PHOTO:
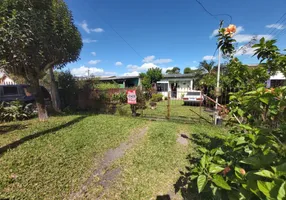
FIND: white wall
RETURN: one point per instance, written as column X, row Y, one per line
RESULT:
column 7, row 81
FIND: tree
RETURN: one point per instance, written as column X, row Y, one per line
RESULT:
column 34, row 37
column 154, row 74
column 188, row 70
column 207, row 67
column 175, row 70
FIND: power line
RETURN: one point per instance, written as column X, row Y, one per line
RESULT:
column 272, row 30
column 95, row 11
column 212, row 15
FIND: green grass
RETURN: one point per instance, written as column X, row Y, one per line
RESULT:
column 52, row 165
column 153, row 167
column 53, row 159
column 178, row 111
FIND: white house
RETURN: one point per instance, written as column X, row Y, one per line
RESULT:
column 177, row 84
column 5, row 79
column 276, row 80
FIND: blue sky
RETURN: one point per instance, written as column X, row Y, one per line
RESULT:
column 165, row 33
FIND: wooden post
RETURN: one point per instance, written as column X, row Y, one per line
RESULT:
column 168, row 105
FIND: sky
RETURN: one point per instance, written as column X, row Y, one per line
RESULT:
column 127, row 37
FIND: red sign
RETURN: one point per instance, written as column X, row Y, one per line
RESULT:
column 131, row 97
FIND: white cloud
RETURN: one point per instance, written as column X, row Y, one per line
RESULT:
column 162, row 61
column 83, row 71
column 209, row 58
column 240, row 38
column 151, row 59
column 94, row 62
column 118, row 63
column 238, row 30
column 148, row 59
column 88, row 41
column 97, row 30
column 143, row 67
column 84, row 26
column 276, row 26
column 93, row 53
column 135, row 73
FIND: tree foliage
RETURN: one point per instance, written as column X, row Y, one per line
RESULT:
column 175, row 70
column 35, row 36
column 188, row 70
column 251, row 162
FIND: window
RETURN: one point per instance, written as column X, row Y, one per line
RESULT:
column 10, row 90
column 162, row 87
column 194, row 93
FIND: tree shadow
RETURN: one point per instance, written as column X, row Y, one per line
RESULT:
column 8, row 128
column 17, row 143
column 163, row 197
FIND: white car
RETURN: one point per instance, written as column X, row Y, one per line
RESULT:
column 193, row 97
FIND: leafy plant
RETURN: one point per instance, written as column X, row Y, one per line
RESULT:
column 16, row 110
column 157, row 97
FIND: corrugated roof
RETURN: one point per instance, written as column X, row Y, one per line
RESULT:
column 178, row 75
column 117, row 78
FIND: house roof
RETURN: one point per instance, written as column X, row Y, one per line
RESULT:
column 117, row 78
column 178, row 76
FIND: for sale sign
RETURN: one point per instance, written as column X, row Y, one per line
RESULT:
column 131, row 97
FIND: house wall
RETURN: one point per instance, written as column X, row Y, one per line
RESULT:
column 7, row 81
column 183, row 86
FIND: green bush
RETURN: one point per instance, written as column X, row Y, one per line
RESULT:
column 157, row 97
column 122, row 110
column 251, row 164
column 120, row 97
column 106, row 86
column 16, row 110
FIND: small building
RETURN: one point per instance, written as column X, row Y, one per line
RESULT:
column 177, row 84
column 5, row 79
column 123, row 81
column 276, row 80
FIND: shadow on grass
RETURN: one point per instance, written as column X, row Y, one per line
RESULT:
column 17, row 143
column 8, row 128
column 163, row 197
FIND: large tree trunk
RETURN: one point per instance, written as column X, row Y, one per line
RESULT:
column 40, row 102
column 55, row 92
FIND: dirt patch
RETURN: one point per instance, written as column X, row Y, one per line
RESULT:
column 183, row 139
column 106, row 177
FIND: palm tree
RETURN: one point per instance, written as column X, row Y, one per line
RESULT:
column 207, row 67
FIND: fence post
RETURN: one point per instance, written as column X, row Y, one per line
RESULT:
column 168, row 105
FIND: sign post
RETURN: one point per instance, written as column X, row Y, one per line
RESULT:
column 131, row 97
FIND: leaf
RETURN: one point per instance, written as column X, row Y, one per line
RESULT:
column 264, row 100
column 220, row 182
column 219, row 151
column 201, row 183
column 281, row 191
column 265, row 187
column 265, row 173
column 214, row 169
column 203, row 161
column 281, row 170
column 240, row 140
column 202, row 149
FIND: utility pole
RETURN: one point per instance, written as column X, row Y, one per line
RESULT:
column 218, row 69
column 88, row 70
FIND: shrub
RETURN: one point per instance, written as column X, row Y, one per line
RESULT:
column 106, row 86
column 16, row 111
column 141, row 102
column 120, row 97
column 251, row 164
column 157, row 97
column 122, row 110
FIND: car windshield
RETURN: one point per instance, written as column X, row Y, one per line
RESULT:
column 194, row 93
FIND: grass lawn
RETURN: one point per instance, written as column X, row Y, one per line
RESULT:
column 52, row 160
column 178, row 111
